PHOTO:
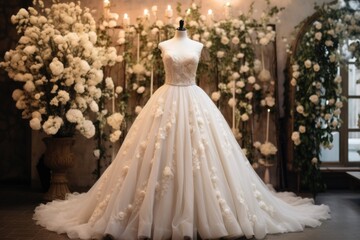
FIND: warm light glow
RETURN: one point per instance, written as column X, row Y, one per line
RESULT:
column 107, row 3
column 210, row 12
column 188, row 11
column 268, row 109
column 169, row 7
column 126, row 16
column 146, row 12
column 228, row 4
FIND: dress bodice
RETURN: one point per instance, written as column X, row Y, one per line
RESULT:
column 180, row 66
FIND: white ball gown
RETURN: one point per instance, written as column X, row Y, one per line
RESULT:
column 179, row 173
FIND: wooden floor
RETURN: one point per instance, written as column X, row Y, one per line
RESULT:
column 17, row 205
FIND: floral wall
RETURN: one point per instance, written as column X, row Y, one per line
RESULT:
column 295, row 11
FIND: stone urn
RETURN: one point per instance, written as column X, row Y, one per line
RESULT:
column 59, row 157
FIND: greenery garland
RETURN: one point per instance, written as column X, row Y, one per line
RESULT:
column 317, row 85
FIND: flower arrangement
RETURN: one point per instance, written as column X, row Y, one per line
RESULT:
column 60, row 62
column 317, row 86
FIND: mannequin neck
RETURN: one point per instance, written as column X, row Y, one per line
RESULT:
column 180, row 34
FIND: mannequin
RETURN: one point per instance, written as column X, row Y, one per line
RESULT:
column 180, row 41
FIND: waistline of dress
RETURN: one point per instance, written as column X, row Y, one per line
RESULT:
column 181, row 85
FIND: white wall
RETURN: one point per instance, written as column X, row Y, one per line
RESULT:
column 295, row 11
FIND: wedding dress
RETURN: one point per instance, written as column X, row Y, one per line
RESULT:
column 179, row 173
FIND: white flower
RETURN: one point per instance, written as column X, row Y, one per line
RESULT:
column 232, row 102
column 270, row 101
column 302, row 129
column 220, row 54
column 35, row 124
column 264, row 41
column 96, row 153
column 329, row 43
column 249, row 95
column 267, row 149
column 314, row 99
column 257, row 144
column 339, row 104
column 316, row 67
column 314, row 160
column 240, row 55
column 138, row 109
column 244, row 68
column 52, row 125
column 307, row 63
column 114, row 136
column 300, row 109
column 295, row 137
column 208, row 44
column 235, row 40
column 63, row 96
column 295, row 67
column 318, row 36
column 251, row 79
column 138, row 68
column 29, row 86
column 215, row 96
column 74, row 115
column 293, row 82
column 94, row 107
column 244, row 117
column 318, row 25
column 17, row 93
column 335, row 123
column 140, row 90
column 86, row 128
column 224, row 40
column 118, row 89
column 56, row 67
column 79, row 88
column 115, row 120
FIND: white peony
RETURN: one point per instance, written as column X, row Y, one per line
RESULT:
column 140, row 90
column 109, row 83
column 300, row 109
column 118, row 89
column 86, row 128
column 308, row 63
column 114, row 136
column 244, row 117
column 74, row 116
column 220, row 54
column 17, row 93
column 302, row 129
column 115, row 120
column 267, row 149
column 52, row 125
column 316, row 67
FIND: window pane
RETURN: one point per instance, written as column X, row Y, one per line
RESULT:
column 354, row 75
column 354, row 146
column 333, row 154
column 354, row 111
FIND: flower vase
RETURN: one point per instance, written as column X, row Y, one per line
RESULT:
column 59, row 157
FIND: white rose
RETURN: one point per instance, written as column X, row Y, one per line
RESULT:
column 29, row 86
column 307, row 63
column 118, row 89
column 74, row 116
column 244, row 117
column 300, row 109
column 140, row 90
column 224, row 40
column 314, row 99
column 17, row 93
column 115, row 136
column 295, row 136
column 232, row 102
column 316, row 67
column 318, row 36
column 293, row 82
column 257, row 144
column 302, row 129
column 94, row 106
column 251, row 79
column 215, row 96
column 220, row 54
column 115, row 120
column 235, row 40
column 314, row 160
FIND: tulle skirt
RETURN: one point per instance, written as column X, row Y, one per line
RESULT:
column 179, row 173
